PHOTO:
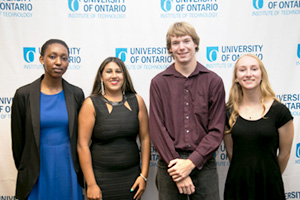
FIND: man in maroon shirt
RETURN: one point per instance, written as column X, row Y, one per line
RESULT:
column 187, row 120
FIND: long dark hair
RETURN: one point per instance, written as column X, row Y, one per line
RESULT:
column 127, row 86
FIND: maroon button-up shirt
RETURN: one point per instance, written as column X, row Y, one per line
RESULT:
column 187, row 114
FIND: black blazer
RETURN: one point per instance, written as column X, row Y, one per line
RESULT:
column 25, row 131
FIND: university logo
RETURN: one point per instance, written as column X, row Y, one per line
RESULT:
column 73, row 5
column 298, row 51
column 258, row 4
column 28, row 54
column 298, row 150
column 121, row 53
column 211, row 53
column 166, row 5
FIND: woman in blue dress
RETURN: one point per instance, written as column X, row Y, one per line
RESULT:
column 44, row 131
column 259, row 135
column 110, row 121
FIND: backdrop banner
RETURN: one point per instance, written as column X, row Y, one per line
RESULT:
column 135, row 31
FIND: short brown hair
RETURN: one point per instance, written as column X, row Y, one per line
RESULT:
column 181, row 29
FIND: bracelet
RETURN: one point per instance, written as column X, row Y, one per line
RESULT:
column 145, row 179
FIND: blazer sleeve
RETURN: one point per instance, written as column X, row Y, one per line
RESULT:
column 80, row 97
column 18, row 126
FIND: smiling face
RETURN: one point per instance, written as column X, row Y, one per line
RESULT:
column 55, row 60
column 183, row 49
column 248, row 73
column 113, row 78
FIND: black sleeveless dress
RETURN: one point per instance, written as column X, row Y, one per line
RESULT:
column 115, row 154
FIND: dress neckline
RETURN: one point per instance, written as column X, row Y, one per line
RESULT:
column 114, row 103
column 52, row 94
column 264, row 117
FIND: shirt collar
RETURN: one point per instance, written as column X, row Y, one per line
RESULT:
column 171, row 71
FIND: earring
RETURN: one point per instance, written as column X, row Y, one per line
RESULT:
column 102, row 88
column 236, row 81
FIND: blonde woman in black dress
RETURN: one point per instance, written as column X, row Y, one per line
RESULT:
column 111, row 119
column 258, row 125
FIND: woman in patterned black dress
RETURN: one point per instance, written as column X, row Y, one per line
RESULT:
column 257, row 126
column 109, row 122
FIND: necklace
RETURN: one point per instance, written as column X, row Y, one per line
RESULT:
column 251, row 112
column 115, row 103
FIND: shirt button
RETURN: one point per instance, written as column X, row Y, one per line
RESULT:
column 186, row 90
column 187, row 117
column 187, row 131
column 186, row 103
column 189, row 145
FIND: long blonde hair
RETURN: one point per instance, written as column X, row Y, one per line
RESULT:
column 236, row 92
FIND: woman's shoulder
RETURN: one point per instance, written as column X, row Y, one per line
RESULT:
column 72, row 87
column 280, row 109
column 278, row 105
column 137, row 100
column 281, row 113
column 138, row 97
column 25, row 89
column 133, row 96
column 94, row 98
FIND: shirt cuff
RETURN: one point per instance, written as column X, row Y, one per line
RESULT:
column 197, row 159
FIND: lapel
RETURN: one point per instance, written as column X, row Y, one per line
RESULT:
column 70, row 103
column 34, row 99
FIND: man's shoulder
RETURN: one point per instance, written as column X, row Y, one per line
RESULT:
column 214, row 75
column 162, row 75
column 158, row 76
column 207, row 72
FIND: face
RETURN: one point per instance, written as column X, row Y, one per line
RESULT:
column 183, row 49
column 248, row 73
column 55, row 60
column 112, row 77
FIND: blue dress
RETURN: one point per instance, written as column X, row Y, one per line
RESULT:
column 57, row 178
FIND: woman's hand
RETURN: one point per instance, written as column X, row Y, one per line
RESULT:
column 94, row 192
column 141, row 184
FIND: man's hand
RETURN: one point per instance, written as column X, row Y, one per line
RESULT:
column 180, row 168
column 186, row 186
